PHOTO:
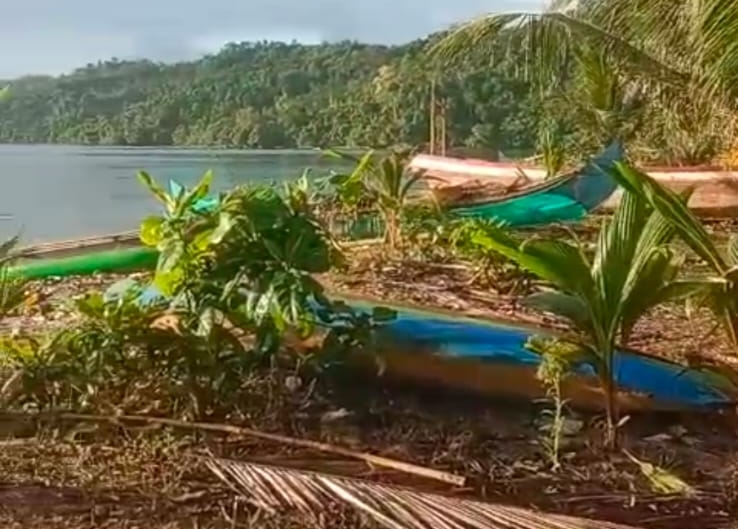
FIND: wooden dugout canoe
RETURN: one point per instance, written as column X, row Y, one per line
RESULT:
column 443, row 349
column 715, row 195
column 75, row 247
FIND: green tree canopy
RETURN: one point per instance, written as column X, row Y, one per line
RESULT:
column 270, row 95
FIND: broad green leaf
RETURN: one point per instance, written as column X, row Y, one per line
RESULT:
column 559, row 262
column 701, row 292
column 552, row 260
column 206, row 322
column 564, row 305
column 170, row 256
column 732, row 250
column 648, row 287
column 225, row 223
column 202, row 241
column 200, row 191
column 614, row 250
column 656, row 232
column 673, row 208
column 202, row 188
column 275, row 251
column 168, row 281
column 156, row 190
column 151, row 231
column 694, row 289
column 91, row 304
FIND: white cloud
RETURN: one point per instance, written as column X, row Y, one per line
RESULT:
column 53, row 36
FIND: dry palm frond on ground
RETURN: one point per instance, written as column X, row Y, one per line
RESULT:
column 274, row 488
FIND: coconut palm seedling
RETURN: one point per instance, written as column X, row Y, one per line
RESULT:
column 632, row 270
column 12, row 286
column 718, row 291
column 382, row 182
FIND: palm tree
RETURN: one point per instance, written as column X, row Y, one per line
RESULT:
column 671, row 40
column 684, row 52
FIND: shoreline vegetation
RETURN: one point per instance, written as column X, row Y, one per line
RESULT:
column 272, row 95
column 266, row 95
column 76, row 365
column 240, row 393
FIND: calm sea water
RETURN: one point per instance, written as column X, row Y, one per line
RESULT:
column 64, row 192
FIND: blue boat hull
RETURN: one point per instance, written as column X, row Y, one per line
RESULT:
column 490, row 357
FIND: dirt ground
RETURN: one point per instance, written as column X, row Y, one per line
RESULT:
column 68, row 475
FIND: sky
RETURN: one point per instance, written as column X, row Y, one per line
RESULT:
column 56, row 36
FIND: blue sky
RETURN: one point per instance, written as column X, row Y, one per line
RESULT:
column 55, row 36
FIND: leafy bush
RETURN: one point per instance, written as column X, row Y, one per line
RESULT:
column 233, row 276
column 244, row 264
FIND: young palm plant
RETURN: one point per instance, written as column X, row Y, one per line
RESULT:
column 718, row 292
column 552, row 148
column 12, row 286
column 384, row 183
column 631, row 271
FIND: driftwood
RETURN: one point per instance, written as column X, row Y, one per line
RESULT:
column 370, row 459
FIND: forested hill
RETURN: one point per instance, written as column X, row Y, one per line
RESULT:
column 269, row 95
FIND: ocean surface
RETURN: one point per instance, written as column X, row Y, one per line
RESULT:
column 52, row 192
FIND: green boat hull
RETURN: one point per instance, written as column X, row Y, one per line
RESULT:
column 102, row 262
column 568, row 198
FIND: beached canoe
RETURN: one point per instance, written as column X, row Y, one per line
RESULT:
column 566, row 198
column 442, row 350
column 89, row 262
column 115, row 253
column 74, row 247
column 522, row 202
column 715, row 195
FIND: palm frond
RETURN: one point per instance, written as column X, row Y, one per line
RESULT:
column 548, row 40
column 699, row 38
column 277, row 489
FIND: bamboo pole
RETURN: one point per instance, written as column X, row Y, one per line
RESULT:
column 432, row 110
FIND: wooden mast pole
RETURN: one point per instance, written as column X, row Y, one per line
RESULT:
column 443, row 127
column 432, row 120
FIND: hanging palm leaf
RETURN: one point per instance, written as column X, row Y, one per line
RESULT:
column 276, row 489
